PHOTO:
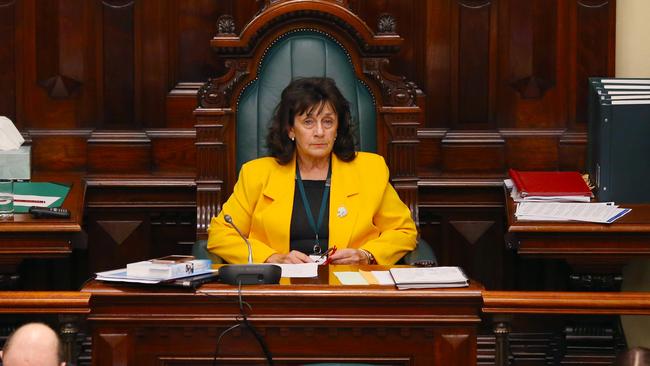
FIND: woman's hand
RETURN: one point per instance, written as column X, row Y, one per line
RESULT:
column 294, row 257
column 349, row 256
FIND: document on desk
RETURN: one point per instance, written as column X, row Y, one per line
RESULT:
column 600, row 212
column 351, row 278
column 434, row 277
column 302, row 270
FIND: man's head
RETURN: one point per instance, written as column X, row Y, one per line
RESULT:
column 32, row 344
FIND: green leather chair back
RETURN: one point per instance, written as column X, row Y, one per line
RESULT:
column 294, row 55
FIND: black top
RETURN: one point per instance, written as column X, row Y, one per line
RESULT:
column 302, row 237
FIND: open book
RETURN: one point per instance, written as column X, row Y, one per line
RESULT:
column 433, row 277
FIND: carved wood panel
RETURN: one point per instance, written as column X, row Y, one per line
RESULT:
column 9, row 51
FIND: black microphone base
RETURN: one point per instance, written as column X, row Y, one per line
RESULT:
column 250, row 274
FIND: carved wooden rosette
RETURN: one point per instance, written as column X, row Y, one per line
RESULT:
column 396, row 99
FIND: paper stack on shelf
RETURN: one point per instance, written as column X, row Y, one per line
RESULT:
column 605, row 213
column 165, row 271
column 548, row 186
column 193, row 280
column 433, row 277
column 158, row 270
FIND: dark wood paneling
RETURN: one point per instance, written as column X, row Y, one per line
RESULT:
column 473, row 30
column 436, row 79
column 59, row 150
column 151, row 57
column 180, row 107
column 193, row 25
column 409, row 23
column 59, row 47
column 117, row 47
column 532, row 80
column 593, row 22
column 173, row 151
column 8, row 29
column 482, row 65
column 119, row 152
column 143, row 220
column 464, row 224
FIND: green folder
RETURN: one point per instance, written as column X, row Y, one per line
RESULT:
column 41, row 189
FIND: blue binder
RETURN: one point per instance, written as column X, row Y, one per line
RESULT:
column 619, row 140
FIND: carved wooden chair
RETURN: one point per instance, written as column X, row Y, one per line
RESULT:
column 289, row 39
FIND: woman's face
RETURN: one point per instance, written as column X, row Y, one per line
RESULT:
column 315, row 132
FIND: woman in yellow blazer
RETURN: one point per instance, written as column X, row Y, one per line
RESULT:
column 314, row 192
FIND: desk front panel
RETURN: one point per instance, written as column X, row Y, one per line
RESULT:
column 301, row 323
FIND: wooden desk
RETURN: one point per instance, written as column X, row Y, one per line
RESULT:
column 26, row 237
column 308, row 320
column 587, row 247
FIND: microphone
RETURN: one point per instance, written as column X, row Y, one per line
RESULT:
column 228, row 219
column 248, row 274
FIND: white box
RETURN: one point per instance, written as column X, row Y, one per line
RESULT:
column 16, row 164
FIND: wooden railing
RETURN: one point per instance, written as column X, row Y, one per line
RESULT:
column 497, row 304
column 70, row 306
column 501, row 303
column 44, row 302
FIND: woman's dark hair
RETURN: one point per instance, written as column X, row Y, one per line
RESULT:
column 303, row 95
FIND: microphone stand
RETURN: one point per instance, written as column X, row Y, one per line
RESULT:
column 248, row 274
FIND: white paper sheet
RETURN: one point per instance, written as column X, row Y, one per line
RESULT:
column 302, row 270
column 383, row 277
column 351, row 278
column 30, row 200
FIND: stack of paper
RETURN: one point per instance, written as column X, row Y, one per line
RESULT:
column 605, row 213
column 158, row 270
column 164, row 271
column 119, row 275
column 545, row 186
column 433, row 277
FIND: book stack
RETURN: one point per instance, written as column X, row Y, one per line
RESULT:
column 433, row 277
column 164, row 271
column 618, row 144
column 553, row 186
column 159, row 270
column 558, row 196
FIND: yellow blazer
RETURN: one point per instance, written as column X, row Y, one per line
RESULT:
column 365, row 211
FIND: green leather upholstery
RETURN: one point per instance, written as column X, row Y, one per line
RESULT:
column 200, row 251
column 300, row 54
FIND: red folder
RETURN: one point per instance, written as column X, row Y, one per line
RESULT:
column 549, row 183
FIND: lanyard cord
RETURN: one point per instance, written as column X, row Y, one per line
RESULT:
column 321, row 213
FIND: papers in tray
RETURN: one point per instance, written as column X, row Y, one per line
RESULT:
column 517, row 197
column 433, row 277
column 600, row 212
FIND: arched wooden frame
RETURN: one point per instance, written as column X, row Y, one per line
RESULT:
column 398, row 102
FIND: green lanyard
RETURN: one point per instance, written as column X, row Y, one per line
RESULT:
column 305, row 203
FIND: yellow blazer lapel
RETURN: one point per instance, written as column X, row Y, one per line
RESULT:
column 344, row 202
column 277, row 216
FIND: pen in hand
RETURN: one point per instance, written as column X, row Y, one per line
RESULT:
column 328, row 254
